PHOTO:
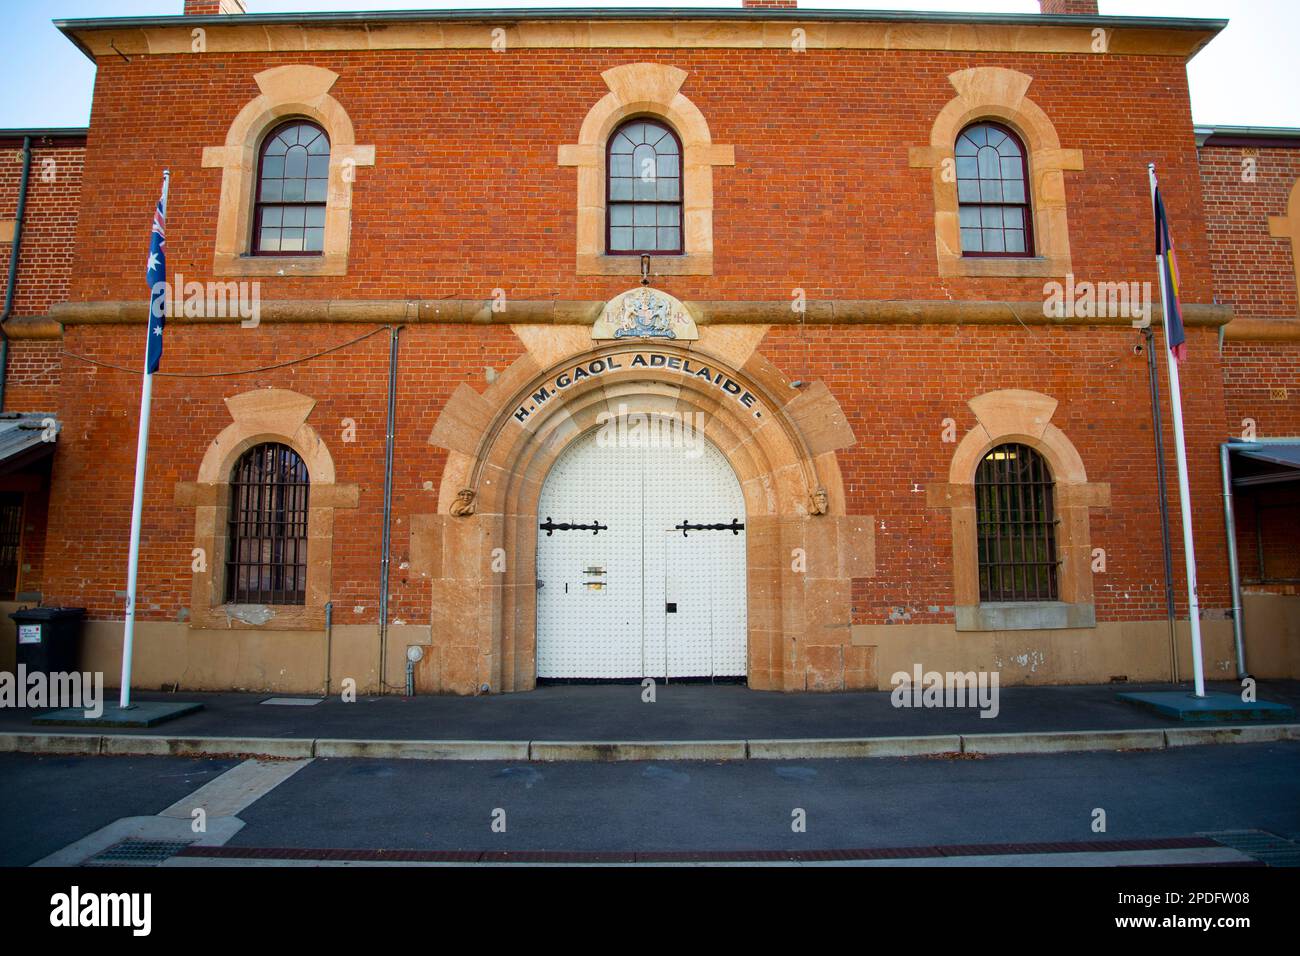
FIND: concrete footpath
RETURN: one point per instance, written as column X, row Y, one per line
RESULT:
column 685, row 722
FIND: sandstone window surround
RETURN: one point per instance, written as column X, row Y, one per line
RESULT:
column 1024, row 417
column 287, row 92
column 1288, row 227
column 652, row 90
column 265, row 415
column 998, row 95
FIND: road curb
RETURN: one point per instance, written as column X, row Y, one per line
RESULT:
column 85, row 744
column 608, row 751
column 849, row 747
column 1063, row 741
column 424, row 749
column 140, row 745
column 1245, row 734
column 121, row 745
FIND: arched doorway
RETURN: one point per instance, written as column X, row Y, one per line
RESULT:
column 641, row 555
column 779, row 439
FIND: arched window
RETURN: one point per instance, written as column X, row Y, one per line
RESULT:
column 993, row 192
column 292, row 186
column 266, row 560
column 1016, row 526
column 644, row 197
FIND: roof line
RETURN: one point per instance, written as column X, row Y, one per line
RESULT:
column 46, row 132
column 71, row 27
column 641, row 13
column 1288, row 136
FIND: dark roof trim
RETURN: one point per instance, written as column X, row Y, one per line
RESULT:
column 644, row 13
column 10, row 137
column 1284, row 137
column 516, row 14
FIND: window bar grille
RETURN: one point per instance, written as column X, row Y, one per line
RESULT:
column 1016, row 525
column 267, row 562
column 11, row 536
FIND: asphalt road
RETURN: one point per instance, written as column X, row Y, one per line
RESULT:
column 48, row 802
column 680, row 712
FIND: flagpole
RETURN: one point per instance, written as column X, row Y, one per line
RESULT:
column 1180, row 447
column 137, row 501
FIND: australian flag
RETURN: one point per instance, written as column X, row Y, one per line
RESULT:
column 157, row 278
column 1174, row 333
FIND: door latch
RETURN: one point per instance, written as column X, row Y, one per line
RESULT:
column 550, row 527
column 735, row 527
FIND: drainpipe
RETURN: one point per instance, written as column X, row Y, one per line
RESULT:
column 1234, row 570
column 1157, row 428
column 11, row 283
column 329, row 644
column 388, row 505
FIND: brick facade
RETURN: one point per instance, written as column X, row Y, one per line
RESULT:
column 466, row 197
column 1248, row 179
column 1068, row 7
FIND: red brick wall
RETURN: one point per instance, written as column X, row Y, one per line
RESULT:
column 34, row 486
column 97, row 450
column 202, row 8
column 44, row 263
column 897, row 385
column 32, row 375
column 1253, row 272
column 1261, row 381
column 1268, row 521
column 466, row 195
column 1076, row 7
column 50, row 230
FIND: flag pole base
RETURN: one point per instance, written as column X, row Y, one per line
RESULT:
column 1213, row 706
column 147, row 713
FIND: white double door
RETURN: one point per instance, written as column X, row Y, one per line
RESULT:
column 641, row 561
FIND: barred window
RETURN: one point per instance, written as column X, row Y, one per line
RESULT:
column 1016, row 526
column 644, row 201
column 993, row 192
column 266, row 562
column 292, row 189
column 11, row 538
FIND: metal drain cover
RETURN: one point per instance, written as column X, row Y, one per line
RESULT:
column 293, row 701
column 137, row 853
column 1266, row 847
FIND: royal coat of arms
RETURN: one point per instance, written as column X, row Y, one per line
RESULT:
column 645, row 314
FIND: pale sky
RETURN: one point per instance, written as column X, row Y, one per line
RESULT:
column 1248, row 76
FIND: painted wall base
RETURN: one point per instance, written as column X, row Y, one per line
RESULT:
column 1272, row 623
column 291, row 662
column 170, row 654
column 1131, row 650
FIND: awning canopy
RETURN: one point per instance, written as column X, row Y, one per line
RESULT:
column 1266, row 463
column 26, row 439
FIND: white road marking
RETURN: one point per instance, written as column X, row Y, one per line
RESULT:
column 221, row 799
column 236, row 789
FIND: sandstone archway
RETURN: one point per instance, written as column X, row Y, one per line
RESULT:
column 479, row 550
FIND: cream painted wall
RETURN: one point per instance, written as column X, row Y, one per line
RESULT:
column 249, row 660
column 1272, row 625
column 1137, row 651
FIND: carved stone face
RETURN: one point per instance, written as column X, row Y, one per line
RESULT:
column 465, row 496
column 821, row 501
